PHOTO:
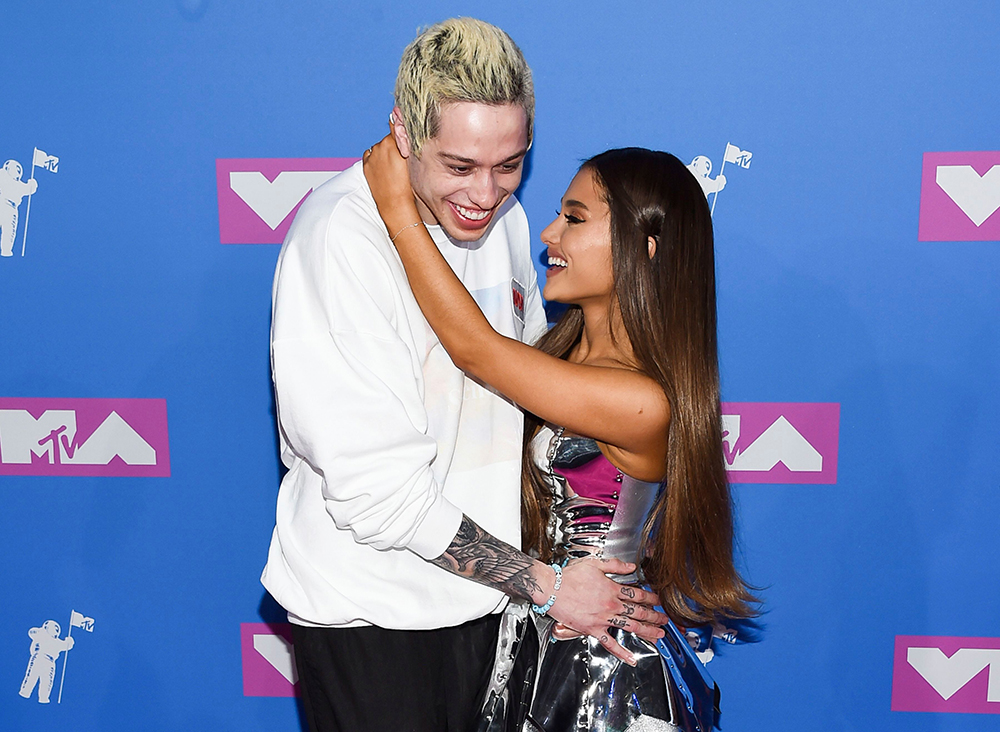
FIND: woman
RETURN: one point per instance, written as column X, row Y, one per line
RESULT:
column 623, row 398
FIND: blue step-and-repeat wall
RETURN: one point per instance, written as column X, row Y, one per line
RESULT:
column 153, row 156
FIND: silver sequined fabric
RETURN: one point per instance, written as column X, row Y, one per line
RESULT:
column 643, row 723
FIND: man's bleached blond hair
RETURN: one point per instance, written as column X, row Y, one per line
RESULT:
column 460, row 60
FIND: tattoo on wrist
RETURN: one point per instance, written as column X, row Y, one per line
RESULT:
column 485, row 559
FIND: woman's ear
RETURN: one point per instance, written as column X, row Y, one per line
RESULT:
column 651, row 244
column 399, row 132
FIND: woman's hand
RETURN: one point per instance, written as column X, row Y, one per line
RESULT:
column 389, row 180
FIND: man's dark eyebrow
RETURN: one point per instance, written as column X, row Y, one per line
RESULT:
column 515, row 156
column 470, row 161
column 457, row 158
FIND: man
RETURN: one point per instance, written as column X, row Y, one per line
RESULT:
column 403, row 480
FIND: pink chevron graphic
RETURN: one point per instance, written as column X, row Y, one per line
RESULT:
column 84, row 437
column 960, row 196
column 268, row 659
column 258, row 197
column 946, row 674
column 781, row 442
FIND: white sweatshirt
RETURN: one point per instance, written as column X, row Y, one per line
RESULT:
column 386, row 442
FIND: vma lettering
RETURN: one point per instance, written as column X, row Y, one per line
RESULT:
column 89, row 437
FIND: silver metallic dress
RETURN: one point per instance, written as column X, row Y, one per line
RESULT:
column 580, row 686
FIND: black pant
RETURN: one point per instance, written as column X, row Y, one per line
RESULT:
column 371, row 679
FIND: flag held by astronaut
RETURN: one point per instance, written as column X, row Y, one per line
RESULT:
column 738, row 157
column 78, row 620
column 43, row 160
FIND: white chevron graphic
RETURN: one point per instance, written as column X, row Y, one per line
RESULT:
column 273, row 201
column 978, row 196
column 779, row 443
column 948, row 675
column 114, row 438
column 279, row 653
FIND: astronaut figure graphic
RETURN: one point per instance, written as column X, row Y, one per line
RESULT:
column 46, row 645
column 700, row 167
column 12, row 191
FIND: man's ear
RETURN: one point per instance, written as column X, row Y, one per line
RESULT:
column 399, row 133
column 651, row 244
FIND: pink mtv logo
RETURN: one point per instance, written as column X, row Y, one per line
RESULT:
column 258, row 197
column 268, row 659
column 103, row 437
column 941, row 674
column 767, row 442
column 960, row 197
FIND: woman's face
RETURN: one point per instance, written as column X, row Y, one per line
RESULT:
column 579, row 246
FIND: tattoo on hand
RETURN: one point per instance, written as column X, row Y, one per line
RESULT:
column 485, row 559
column 618, row 621
column 629, row 609
column 628, row 592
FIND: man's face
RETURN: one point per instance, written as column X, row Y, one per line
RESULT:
column 470, row 167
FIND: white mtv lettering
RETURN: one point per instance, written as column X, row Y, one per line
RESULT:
column 21, row 434
column 279, row 653
column 948, row 675
column 54, row 434
column 779, row 443
column 274, row 201
column 978, row 197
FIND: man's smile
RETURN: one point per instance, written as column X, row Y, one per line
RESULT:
column 472, row 214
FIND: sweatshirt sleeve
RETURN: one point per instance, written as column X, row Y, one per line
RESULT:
column 349, row 391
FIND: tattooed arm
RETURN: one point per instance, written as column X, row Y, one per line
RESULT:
column 479, row 556
column 588, row 601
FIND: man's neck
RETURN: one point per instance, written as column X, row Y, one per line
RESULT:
column 425, row 213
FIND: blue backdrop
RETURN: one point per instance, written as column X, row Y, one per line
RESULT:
column 829, row 294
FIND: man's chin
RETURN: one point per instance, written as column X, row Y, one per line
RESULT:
column 464, row 233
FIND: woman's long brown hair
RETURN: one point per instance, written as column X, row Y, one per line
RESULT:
column 668, row 310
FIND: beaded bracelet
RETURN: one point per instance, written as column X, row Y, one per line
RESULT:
column 542, row 609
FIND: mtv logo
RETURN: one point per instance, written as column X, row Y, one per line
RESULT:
column 84, row 437
column 258, row 197
column 960, row 197
column 944, row 674
column 774, row 442
column 268, row 659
